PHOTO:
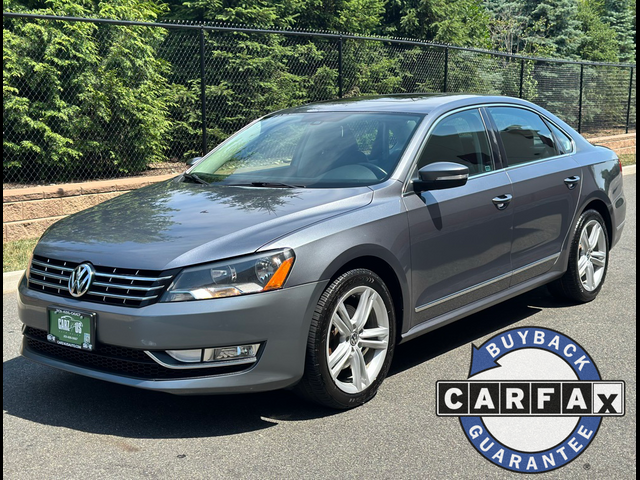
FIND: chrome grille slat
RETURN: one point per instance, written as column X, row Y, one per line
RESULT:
column 57, row 286
column 120, row 297
column 126, row 287
column 131, row 277
column 49, row 274
column 111, row 285
column 49, row 265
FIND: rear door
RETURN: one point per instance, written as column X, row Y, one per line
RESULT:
column 546, row 187
column 460, row 237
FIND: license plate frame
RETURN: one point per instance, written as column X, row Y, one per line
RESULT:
column 71, row 328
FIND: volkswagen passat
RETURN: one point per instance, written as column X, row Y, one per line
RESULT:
column 304, row 248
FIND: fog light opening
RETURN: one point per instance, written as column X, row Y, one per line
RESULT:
column 230, row 354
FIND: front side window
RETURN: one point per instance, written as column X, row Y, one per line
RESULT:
column 525, row 136
column 459, row 138
column 315, row 150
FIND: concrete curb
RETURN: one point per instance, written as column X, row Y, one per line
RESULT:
column 10, row 279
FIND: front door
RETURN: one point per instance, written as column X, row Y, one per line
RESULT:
column 460, row 237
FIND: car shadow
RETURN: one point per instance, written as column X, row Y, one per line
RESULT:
column 51, row 397
column 471, row 328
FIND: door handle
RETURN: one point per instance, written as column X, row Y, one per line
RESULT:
column 501, row 202
column 572, row 182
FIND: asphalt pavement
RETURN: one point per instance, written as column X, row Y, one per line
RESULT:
column 59, row 425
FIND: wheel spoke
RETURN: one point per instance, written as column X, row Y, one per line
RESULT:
column 359, row 370
column 339, row 358
column 583, row 263
column 373, row 344
column 363, row 311
column 343, row 327
column 345, row 317
column 378, row 332
column 584, row 240
column 599, row 259
column 595, row 236
column 591, row 284
column 375, row 338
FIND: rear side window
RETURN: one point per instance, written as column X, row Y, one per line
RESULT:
column 564, row 142
column 459, row 138
column 525, row 136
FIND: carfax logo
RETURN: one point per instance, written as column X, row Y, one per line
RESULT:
column 533, row 401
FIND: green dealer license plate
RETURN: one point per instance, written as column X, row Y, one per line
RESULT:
column 71, row 328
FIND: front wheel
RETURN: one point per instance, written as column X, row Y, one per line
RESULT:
column 351, row 341
column 588, row 260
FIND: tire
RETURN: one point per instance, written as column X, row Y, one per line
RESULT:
column 348, row 353
column 588, row 260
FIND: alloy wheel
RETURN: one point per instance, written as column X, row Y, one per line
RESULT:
column 592, row 255
column 358, row 339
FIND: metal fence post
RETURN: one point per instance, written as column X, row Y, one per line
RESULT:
column 340, row 66
column 521, row 78
column 446, row 70
column 626, row 129
column 580, row 98
column 203, row 96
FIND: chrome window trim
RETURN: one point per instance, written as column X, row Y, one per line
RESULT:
column 473, row 288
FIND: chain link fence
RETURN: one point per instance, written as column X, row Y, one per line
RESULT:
column 93, row 98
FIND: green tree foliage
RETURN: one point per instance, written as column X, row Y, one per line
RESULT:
column 113, row 100
column 621, row 15
column 553, row 25
column 77, row 94
column 458, row 22
column 599, row 42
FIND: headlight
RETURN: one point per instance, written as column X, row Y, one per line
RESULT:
column 252, row 274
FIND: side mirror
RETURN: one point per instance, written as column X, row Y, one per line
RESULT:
column 441, row 175
column 193, row 161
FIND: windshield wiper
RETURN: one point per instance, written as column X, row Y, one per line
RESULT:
column 275, row 185
column 195, row 178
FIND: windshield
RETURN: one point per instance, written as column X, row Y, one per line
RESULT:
column 315, row 150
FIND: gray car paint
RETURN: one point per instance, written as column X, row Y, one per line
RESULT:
column 177, row 224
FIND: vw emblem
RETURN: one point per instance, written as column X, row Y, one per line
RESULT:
column 81, row 279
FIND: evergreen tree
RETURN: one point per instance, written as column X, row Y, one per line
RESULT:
column 82, row 96
column 621, row 15
column 599, row 43
column 553, row 27
column 459, row 22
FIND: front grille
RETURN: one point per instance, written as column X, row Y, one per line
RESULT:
column 128, row 362
column 114, row 286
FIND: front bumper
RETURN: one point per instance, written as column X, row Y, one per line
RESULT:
column 279, row 320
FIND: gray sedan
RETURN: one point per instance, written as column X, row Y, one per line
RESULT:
column 303, row 249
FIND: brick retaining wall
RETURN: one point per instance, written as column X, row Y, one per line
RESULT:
column 27, row 212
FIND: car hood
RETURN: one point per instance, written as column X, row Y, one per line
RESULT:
column 174, row 224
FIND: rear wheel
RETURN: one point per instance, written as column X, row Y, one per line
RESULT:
column 351, row 341
column 588, row 260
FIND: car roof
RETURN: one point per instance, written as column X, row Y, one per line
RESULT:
column 420, row 103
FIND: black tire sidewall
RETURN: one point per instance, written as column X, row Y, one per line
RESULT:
column 346, row 282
